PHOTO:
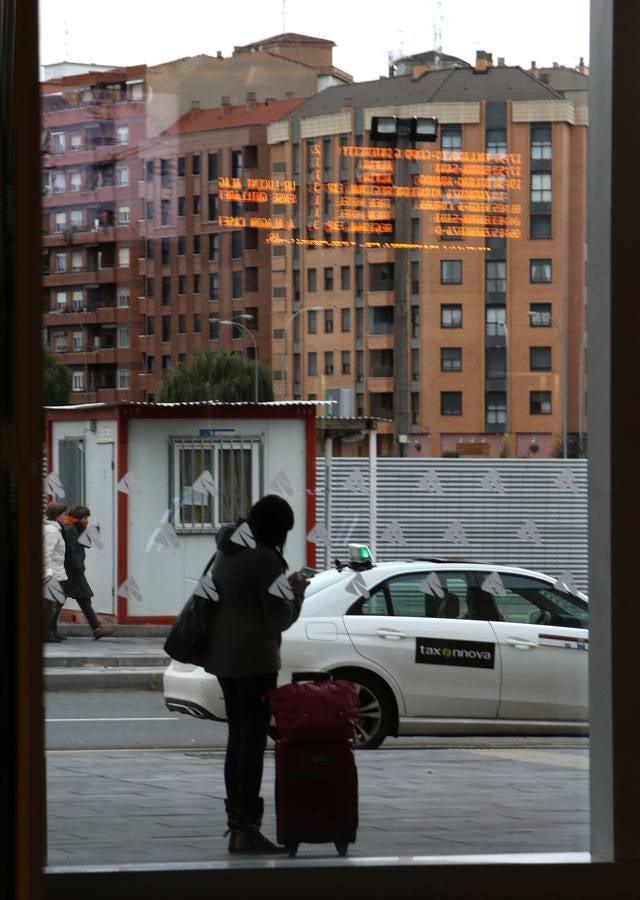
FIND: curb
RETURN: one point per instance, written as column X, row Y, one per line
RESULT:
column 113, row 678
column 106, row 662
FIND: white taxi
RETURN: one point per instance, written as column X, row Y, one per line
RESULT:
column 434, row 647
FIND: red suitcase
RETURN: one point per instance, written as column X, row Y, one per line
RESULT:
column 316, row 795
column 316, row 787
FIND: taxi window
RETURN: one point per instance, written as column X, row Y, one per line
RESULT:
column 407, row 595
column 529, row 601
column 375, row 605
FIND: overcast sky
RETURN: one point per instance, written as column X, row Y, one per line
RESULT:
column 128, row 32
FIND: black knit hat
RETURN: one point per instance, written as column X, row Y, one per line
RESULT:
column 270, row 519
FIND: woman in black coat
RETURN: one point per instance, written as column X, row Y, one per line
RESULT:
column 76, row 585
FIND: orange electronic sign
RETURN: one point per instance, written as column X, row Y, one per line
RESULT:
column 463, row 195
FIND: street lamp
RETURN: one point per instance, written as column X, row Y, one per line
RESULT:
column 539, row 318
column 237, row 324
column 284, row 342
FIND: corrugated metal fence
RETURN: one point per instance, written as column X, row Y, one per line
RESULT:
column 524, row 512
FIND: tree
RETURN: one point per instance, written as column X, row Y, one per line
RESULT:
column 215, row 376
column 57, row 382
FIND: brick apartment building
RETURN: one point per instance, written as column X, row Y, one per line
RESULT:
column 99, row 126
column 487, row 331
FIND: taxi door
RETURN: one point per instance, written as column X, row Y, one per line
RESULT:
column 445, row 666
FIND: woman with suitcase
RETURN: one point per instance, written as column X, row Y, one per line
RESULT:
column 257, row 603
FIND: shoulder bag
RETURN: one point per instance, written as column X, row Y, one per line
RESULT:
column 187, row 641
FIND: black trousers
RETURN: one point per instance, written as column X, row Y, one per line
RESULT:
column 248, row 715
column 88, row 611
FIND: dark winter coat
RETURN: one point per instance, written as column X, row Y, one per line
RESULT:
column 249, row 619
column 76, row 585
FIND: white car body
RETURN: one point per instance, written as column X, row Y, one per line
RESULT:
column 433, row 673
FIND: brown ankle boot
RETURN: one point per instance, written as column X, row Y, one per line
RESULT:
column 246, row 836
column 103, row 631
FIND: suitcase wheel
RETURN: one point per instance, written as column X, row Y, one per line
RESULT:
column 292, row 849
column 342, row 847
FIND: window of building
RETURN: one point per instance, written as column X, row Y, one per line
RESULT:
column 166, row 362
column 150, row 325
column 214, row 330
column 123, row 296
column 76, row 218
column 137, row 91
column 345, row 278
column 496, row 141
column 166, row 290
column 346, row 362
column 195, row 164
column 77, row 341
column 236, row 244
column 149, row 287
column 75, row 180
column 328, row 362
column 381, row 320
column 196, row 245
column 312, row 322
column 495, row 319
column 151, row 365
column 165, row 212
column 450, row 403
column 328, row 278
column 450, row 271
column 541, row 142
column 149, row 209
column 181, row 206
column 182, row 323
column 165, row 250
column 61, row 262
column 251, row 279
column 236, row 285
column 166, row 329
column 540, row 226
column 181, row 166
column 381, row 276
column 495, row 277
column 312, row 280
column 541, row 187
column 540, row 315
column 450, row 359
column 540, row 271
column 124, row 257
column 496, row 408
column 236, row 164
column 60, row 342
column 75, row 141
column 123, row 134
column 77, row 299
column 124, row 379
column 196, row 282
column 195, row 201
column 540, row 359
column 312, row 363
column 165, row 173
column 450, row 315
column 381, row 405
column 213, row 285
column 236, row 470
column 212, row 166
column 213, row 247
column 450, row 138
column 197, row 323
column 77, row 381
column 328, row 321
column 345, row 319
column 540, row 403
column 415, row 277
column 381, row 363
column 182, row 284
column 148, row 170
column 212, row 207
column 123, row 337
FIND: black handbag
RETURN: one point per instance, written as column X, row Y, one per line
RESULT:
column 187, row 641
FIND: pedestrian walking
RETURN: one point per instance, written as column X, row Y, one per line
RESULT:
column 77, row 586
column 54, row 574
column 257, row 602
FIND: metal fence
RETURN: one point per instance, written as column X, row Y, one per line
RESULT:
column 526, row 512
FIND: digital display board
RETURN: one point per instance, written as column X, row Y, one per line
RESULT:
column 461, row 196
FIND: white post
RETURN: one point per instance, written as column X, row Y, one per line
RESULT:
column 373, row 492
column 328, row 455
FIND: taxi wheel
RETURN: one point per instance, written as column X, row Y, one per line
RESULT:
column 375, row 708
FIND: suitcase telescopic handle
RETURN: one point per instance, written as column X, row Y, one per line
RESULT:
column 310, row 676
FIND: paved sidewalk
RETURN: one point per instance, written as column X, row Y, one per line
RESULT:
column 122, row 662
column 145, row 807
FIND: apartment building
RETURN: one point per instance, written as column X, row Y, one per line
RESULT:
column 101, row 133
column 496, row 316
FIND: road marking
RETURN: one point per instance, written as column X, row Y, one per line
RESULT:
column 120, row 719
column 548, row 757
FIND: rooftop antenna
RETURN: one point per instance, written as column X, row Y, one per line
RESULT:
column 437, row 28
